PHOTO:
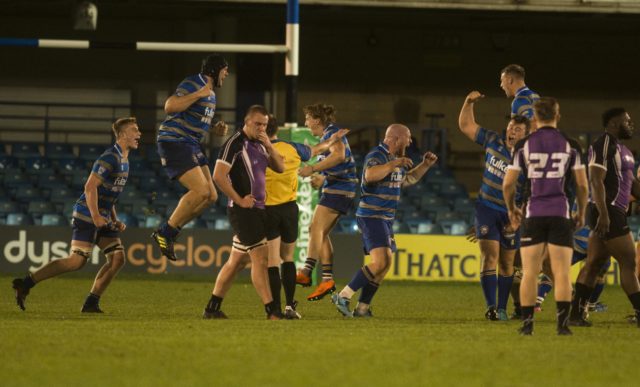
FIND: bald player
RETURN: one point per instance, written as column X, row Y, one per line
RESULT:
column 386, row 171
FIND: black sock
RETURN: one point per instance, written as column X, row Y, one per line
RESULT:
column 28, row 282
column 563, row 308
column 527, row 316
column 275, row 284
column 92, row 299
column 517, row 308
column 289, row 281
column 271, row 308
column 635, row 301
column 580, row 300
column 214, row 303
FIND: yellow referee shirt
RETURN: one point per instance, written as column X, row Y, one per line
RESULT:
column 283, row 187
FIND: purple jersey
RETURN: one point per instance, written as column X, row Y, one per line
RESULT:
column 618, row 162
column 248, row 160
column 545, row 158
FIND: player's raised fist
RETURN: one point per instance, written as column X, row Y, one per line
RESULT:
column 474, row 96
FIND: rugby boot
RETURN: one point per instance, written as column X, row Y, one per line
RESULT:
column 564, row 331
column 502, row 315
column 290, row 313
column 165, row 244
column 491, row 314
column 579, row 322
column 21, row 292
column 303, row 279
column 214, row 315
column 91, row 308
column 277, row 315
column 342, row 304
column 357, row 313
column 327, row 287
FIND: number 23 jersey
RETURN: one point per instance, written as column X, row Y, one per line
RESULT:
column 545, row 157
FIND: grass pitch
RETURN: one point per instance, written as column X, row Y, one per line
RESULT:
column 422, row 334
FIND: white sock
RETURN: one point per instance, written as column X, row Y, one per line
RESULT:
column 347, row 292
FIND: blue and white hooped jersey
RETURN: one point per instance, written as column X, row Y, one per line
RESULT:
column 497, row 158
column 192, row 124
column 340, row 179
column 113, row 170
column 522, row 104
column 380, row 199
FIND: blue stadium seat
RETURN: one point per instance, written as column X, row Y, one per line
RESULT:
column 38, row 165
column 54, row 220
column 151, row 183
column 63, row 195
column 196, row 223
column 463, row 203
column 4, row 195
column 67, row 208
column 78, row 181
column 29, row 194
column 152, row 221
column 90, row 152
column 15, row 179
column 429, row 229
column 7, row 163
column 19, row 219
column 433, row 203
column 7, row 207
column 348, row 225
column 23, row 150
column 51, row 181
column 454, row 227
column 56, row 151
column 401, row 228
column 69, row 166
column 447, row 216
column 453, row 190
column 37, row 208
column 222, row 223
column 128, row 219
column 414, row 224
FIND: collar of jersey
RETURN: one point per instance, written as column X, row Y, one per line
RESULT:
column 118, row 149
column 384, row 147
column 520, row 90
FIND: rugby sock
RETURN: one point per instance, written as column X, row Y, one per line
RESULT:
column 544, row 288
column 368, row 292
column 327, row 272
column 274, row 284
column 28, row 282
column 309, row 265
column 92, row 300
column 527, row 317
column 504, row 288
column 167, row 231
column 489, row 284
column 271, row 308
column 214, row 303
column 289, row 281
column 580, row 299
column 597, row 291
column 359, row 281
column 635, row 301
column 563, row 308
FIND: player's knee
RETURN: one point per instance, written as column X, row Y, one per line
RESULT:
column 79, row 257
column 213, row 197
column 115, row 254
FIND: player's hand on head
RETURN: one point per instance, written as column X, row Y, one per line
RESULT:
column 306, row 171
column 248, row 201
column 474, row 96
column 429, row 158
column 220, row 128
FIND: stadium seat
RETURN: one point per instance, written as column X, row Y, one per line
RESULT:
column 128, row 219
column 67, row 208
column 56, row 151
column 463, row 203
column 150, row 183
column 38, row 165
column 414, row 224
column 28, row 194
column 69, row 166
column 7, row 207
column 78, row 181
column 401, row 228
column 15, row 179
column 38, row 208
column 8, row 163
column 453, row 190
column 429, row 229
column 63, row 195
column 196, row 223
column 152, row 221
column 19, row 219
column 222, row 223
column 348, row 225
column 433, row 203
column 54, row 220
column 90, row 152
column 23, row 150
column 51, row 181
column 454, row 227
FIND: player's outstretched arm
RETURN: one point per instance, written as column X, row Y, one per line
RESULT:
column 179, row 103
column 376, row 173
column 466, row 119
column 325, row 145
column 414, row 175
column 336, row 156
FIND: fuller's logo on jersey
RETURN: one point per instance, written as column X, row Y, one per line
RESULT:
column 121, row 181
column 497, row 166
column 208, row 115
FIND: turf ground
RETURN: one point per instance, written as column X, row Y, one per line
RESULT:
column 422, row 334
